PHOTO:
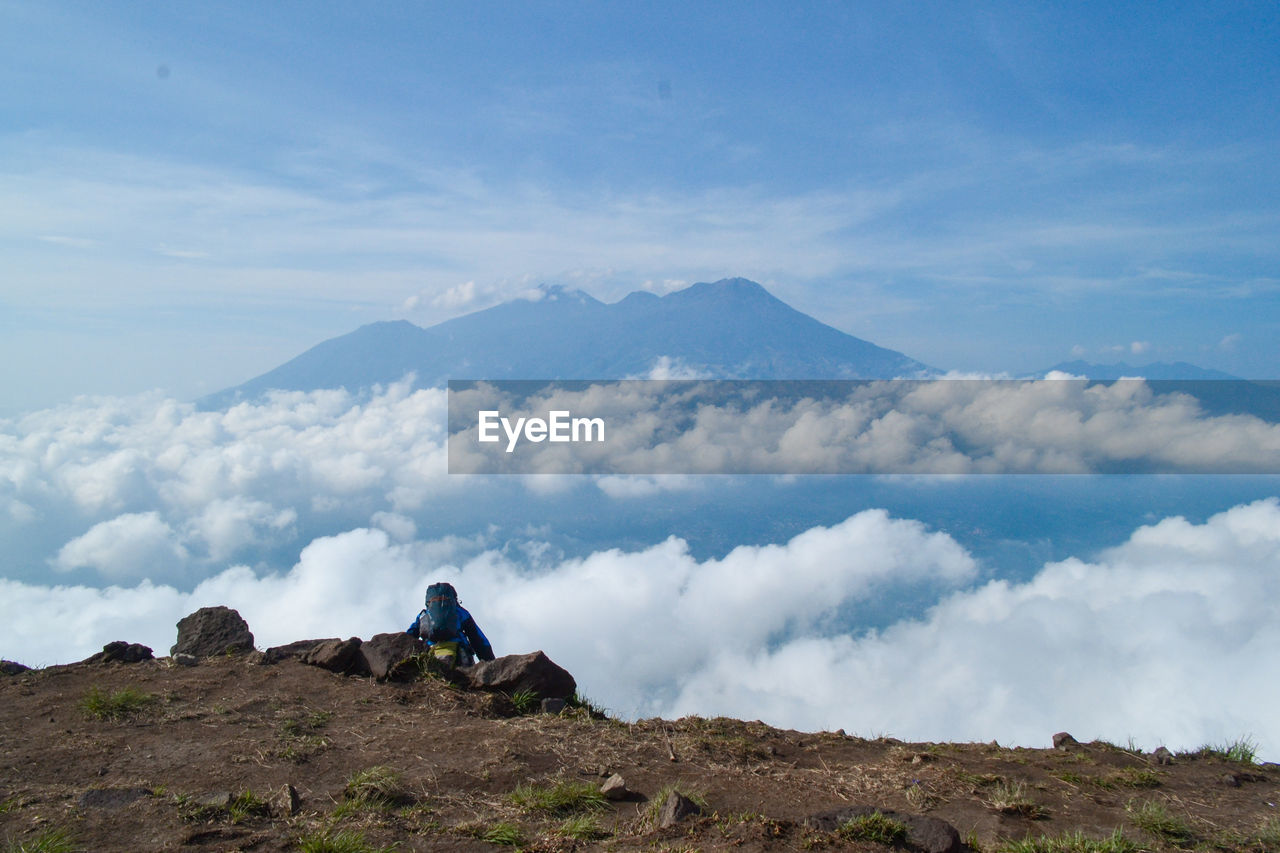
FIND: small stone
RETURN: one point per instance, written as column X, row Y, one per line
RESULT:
column 1231, row 780
column 676, row 808
column 1162, row 755
column 287, row 803
column 185, row 660
column 216, row 800
column 615, row 788
column 553, row 706
column 1064, row 741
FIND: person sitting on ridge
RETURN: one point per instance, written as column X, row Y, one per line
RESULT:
column 451, row 634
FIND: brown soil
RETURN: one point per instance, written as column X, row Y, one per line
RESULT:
column 234, row 726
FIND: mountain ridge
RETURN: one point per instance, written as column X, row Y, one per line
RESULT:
column 732, row 329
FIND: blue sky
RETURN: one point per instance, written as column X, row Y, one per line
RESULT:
column 192, row 195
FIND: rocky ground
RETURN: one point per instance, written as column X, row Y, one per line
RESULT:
column 239, row 753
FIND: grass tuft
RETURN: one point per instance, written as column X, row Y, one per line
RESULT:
column 875, row 828
column 342, row 841
column 53, row 840
column 1011, row 798
column 377, row 786
column 507, row 834
column 120, row 705
column 1071, row 843
column 583, row 827
column 525, row 701
column 561, row 798
column 1154, row 817
column 1241, row 751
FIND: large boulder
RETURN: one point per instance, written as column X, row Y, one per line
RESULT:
column 213, row 631
column 12, row 667
column 340, row 656
column 118, row 651
column 389, row 657
column 296, row 650
column 534, row 672
column 924, row 834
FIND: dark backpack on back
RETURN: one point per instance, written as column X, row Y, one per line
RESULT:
column 442, row 619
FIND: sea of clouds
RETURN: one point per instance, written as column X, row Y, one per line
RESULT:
column 143, row 509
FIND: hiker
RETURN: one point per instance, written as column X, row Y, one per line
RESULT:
column 450, row 632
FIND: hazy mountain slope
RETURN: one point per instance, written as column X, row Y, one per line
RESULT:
column 730, row 329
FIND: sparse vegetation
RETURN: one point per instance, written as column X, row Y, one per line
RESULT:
column 875, row 828
column 122, row 704
column 1071, row 843
column 1011, row 798
column 1154, row 817
column 247, row 805
column 525, row 701
column 560, row 798
column 300, row 736
column 340, row 841
column 379, row 786
column 52, row 840
column 1241, row 751
column 583, row 827
column 507, row 834
column 1269, row 834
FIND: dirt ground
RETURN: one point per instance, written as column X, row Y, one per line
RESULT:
column 204, row 761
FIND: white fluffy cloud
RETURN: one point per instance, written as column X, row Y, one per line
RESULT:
column 950, row 426
column 1166, row 638
column 128, row 547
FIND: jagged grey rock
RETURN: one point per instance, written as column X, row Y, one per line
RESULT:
column 275, row 654
column 388, row 656
column 615, row 788
column 185, row 660
column 513, row 673
column 213, row 631
column 676, row 808
column 287, row 803
column 340, row 656
column 1162, row 755
column 118, row 651
column 12, row 667
column 925, row 834
column 1064, row 741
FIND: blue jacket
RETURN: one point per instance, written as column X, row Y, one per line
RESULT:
column 473, row 639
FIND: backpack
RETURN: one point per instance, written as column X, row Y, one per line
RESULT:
column 442, row 619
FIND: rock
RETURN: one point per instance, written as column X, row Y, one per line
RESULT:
column 213, row 631
column 118, row 651
column 1064, row 741
column 553, row 706
column 275, row 654
column 340, row 656
column 513, row 673
column 388, row 656
column 925, row 834
column 286, row 803
column 185, row 660
column 12, row 667
column 615, row 788
column 216, row 800
column 676, row 808
column 1162, row 756
column 111, row 799
column 1231, row 780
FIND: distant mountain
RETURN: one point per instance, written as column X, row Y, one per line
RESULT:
column 729, row 329
column 1155, row 370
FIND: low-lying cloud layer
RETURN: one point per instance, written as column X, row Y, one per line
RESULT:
column 1165, row 638
column 1055, row 426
